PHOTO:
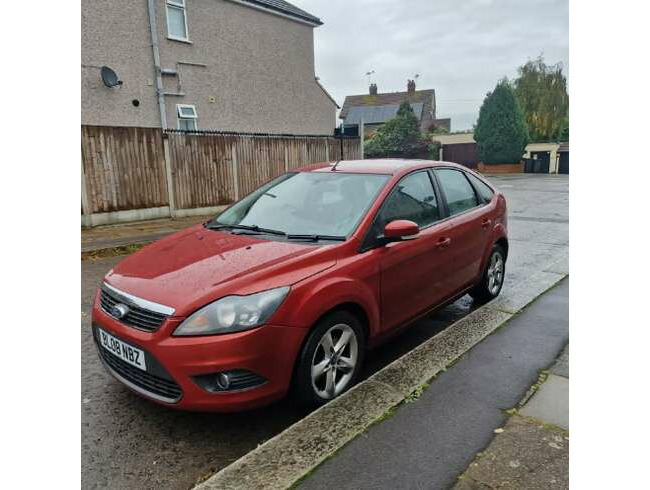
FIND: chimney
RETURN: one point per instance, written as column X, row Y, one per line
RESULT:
column 373, row 89
column 410, row 86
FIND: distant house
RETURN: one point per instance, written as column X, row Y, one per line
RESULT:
column 375, row 108
column 234, row 65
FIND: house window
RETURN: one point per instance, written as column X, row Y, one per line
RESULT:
column 186, row 117
column 177, row 20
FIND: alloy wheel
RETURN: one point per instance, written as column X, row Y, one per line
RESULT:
column 334, row 361
column 495, row 272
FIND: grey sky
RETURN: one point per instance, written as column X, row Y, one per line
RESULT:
column 461, row 48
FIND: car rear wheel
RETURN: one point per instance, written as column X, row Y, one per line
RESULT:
column 331, row 358
column 492, row 280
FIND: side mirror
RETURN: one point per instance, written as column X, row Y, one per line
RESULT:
column 401, row 229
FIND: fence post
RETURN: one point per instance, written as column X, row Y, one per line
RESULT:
column 327, row 150
column 235, row 171
column 286, row 159
column 169, row 176
column 85, row 208
column 361, row 141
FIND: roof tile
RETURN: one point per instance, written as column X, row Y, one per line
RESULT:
column 391, row 98
column 285, row 8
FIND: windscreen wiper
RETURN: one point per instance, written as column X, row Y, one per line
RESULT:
column 252, row 228
column 316, row 238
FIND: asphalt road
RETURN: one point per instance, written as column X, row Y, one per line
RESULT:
column 128, row 442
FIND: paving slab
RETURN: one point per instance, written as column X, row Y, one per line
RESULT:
column 550, row 403
column 525, row 455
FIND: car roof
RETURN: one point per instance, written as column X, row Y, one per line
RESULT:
column 386, row 166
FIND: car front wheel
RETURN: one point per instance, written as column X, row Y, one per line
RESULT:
column 331, row 358
column 492, row 279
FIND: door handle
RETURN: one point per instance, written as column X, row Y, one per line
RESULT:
column 443, row 242
column 486, row 223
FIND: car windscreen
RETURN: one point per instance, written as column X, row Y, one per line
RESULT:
column 308, row 203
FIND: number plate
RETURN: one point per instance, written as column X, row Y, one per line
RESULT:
column 124, row 351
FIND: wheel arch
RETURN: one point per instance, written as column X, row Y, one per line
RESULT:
column 503, row 242
column 352, row 307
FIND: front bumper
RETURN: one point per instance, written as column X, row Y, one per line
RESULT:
column 269, row 351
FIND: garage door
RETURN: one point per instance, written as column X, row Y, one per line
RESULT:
column 463, row 153
column 563, row 167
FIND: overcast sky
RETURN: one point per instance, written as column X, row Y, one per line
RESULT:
column 460, row 48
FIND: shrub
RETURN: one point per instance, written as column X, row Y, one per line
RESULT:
column 434, row 150
column 399, row 137
column 501, row 134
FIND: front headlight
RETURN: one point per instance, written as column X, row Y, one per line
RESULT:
column 233, row 313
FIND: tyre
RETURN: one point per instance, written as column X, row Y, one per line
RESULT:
column 330, row 359
column 492, row 279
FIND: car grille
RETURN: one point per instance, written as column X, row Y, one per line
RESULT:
column 137, row 317
column 167, row 390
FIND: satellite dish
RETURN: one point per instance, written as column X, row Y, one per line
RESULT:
column 109, row 77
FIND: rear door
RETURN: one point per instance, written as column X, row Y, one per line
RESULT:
column 412, row 271
column 469, row 227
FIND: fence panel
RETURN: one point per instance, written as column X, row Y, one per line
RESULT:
column 202, row 169
column 202, row 166
column 351, row 149
column 259, row 159
column 124, row 168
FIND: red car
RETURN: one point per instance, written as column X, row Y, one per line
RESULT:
column 290, row 286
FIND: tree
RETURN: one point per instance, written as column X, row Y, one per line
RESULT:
column 398, row 137
column 501, row 133
column 542, row 93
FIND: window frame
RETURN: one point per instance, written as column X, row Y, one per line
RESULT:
column 182, row 6
column 181, row 117
column 369, row 242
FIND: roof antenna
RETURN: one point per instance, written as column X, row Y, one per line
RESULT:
column 334, row 166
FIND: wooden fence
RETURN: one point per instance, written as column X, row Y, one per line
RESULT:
column 136, row 173
column 124, row 168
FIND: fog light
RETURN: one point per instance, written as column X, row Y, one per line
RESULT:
column 229, row 381
column 223, row 381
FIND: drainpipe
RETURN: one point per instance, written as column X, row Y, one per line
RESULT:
column 156, row 62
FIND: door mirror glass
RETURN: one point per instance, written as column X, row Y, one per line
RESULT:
column 401, row 229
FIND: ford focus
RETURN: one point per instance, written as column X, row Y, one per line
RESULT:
column 288, row 288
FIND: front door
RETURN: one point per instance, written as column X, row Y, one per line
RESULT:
column 412, row 271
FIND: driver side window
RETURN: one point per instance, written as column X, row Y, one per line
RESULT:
column 413, row 198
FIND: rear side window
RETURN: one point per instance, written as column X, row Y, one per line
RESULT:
column 483, row 189
column 458, row 191
column 412, row 198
